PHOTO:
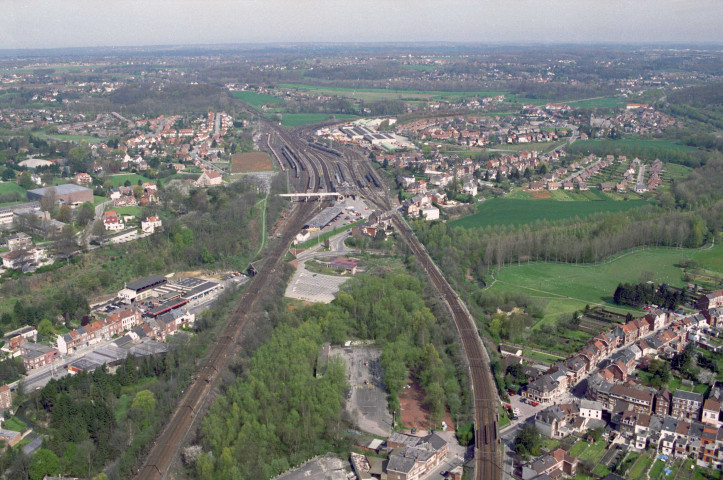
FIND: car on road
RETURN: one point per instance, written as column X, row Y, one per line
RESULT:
column 533, row 403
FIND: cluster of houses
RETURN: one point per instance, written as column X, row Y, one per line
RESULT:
column 410, row 457
column 124, row 196
column 202, row 136
column 22, row 254
column 640, row 413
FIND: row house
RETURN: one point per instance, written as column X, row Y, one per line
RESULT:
column 552, row 465
column 711, row 300
column 36, row 355
column 545, row 389
column 686, row 405
column 413, row 457
column 104, row 329
column 711, row 414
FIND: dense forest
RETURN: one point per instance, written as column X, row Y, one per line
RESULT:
column 277, row 413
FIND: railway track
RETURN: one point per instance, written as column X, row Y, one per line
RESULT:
column 488, row 456
column 165, row 448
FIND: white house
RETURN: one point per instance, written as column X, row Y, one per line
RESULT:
column 430, row 213
column 150, row 224
column 591, row 409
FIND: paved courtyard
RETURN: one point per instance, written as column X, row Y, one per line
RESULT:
column 313, row 287
column 367, row 402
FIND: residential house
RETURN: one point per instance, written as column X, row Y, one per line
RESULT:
column 712, row 412
column 412, row 457
column 19, row 241
column 209, row 178
column 711, row 300
column 591, row 409
column 686, row 405
column 112, row 221
column 150, row 224
column 552, row 465
column 663, row 400
column 6, row 397
column 36, row 355
column 544, row 389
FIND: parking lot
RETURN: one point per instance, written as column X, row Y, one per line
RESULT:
column 367, row 399
column 313, row 287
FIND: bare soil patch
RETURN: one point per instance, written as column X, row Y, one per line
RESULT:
column 251, row 162
column 539, row 194
column 414, row 413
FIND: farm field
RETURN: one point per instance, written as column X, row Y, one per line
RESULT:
column 299, row 119
column 602, row 102
column 251, row 162
column 257, row 99
column 376, row 94
column 568, row 287
column 509, row 211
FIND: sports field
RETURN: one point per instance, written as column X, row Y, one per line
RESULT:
column 513, row 211
column 250, row 162
column 569, row 287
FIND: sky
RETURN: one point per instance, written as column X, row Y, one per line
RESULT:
column 103, row 23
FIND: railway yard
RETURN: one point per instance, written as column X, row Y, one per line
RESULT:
column 316, row 168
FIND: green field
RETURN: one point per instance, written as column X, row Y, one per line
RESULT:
column 299, row 119
column 637, row 142
column 510, row 211
column 522, row 147
column 120, row 179
column 73, row 138
column 569, row 287
column 376, row 94
column 257, row 99
column 603, row 102
column 10, row 187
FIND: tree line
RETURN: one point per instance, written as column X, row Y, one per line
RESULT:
column 640, row 294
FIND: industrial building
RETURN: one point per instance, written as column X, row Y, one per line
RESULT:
column 67, row 194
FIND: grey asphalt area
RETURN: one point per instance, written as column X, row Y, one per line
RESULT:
column 313, row 287
column 367, row 402
column 328, row 467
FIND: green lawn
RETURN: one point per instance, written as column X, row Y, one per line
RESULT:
column 74, row 138
column 657, row 470
column 509, row 211
column 641, row 467
column 135, row 211
column 569, row 287
column 578, row 448
column 604, row 102
column 15, row 424
column 376, row 94
column 121, row 407
column 121, row 178
column 637, row 142
column 600, row 470
column 541, row 356
column 257, row 99
column 594, row 453
column 10, row 187
column 298, row 119
column 503, row 418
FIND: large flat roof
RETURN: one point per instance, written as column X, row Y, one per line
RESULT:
column 146, row 282
column 61, row 189
column 323, row 218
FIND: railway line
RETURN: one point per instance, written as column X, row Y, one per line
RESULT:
column 165, row 448
column 314, row 169
column 488, row 455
